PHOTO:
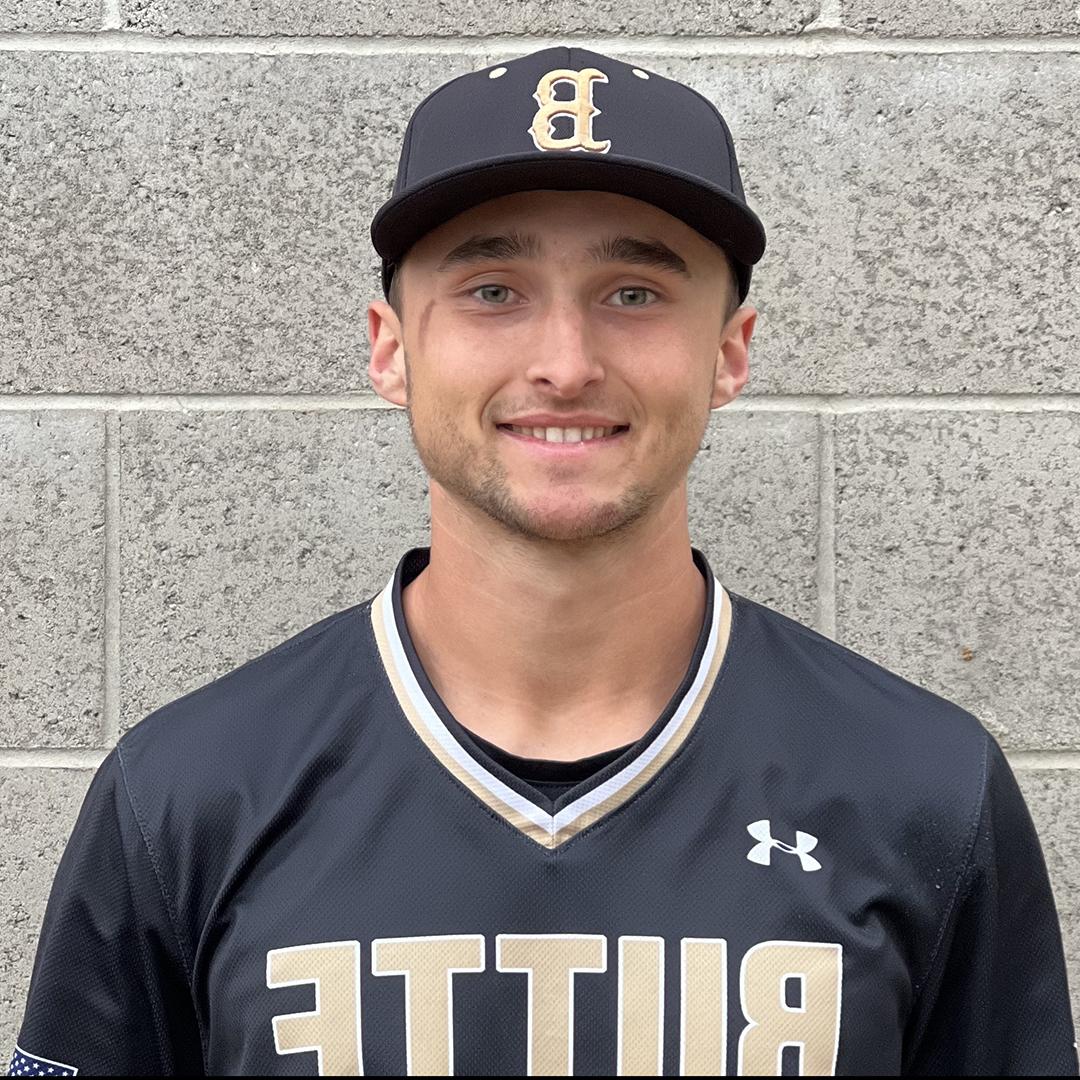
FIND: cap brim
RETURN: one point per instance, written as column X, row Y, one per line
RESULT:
column 712, row 211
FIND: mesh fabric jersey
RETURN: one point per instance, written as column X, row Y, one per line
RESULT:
column 807, row 864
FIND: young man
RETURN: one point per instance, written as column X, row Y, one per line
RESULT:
column 555, row 800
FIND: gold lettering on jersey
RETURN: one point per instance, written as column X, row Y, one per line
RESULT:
column 333, row 1029
column 813, row 1025
column 703, row 1034
column 429, row 965
column 641, row 1007
column 551, row 961
column 579, row 108
column 790, row 993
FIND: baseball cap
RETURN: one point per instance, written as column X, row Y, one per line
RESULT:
column 568, row 119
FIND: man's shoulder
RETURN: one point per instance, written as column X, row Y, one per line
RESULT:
column 849, row 712
column 895, row 775
column 204, row 774
column 258, row 712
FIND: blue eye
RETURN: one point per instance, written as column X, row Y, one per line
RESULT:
column 488, row 288
column 638, row 291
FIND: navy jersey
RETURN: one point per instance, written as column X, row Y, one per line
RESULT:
column 806, row 865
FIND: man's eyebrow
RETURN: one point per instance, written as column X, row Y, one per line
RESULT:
column 632, row 249
column 621, row 248
column 478, row 248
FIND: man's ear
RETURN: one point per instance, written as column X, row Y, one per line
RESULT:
column 733, row 358
column 386, row 369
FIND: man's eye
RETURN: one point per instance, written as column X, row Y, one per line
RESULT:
column 495, row 294
column 635, row 296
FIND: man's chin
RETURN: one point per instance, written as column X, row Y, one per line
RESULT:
column 552, row 516
column 566, row 524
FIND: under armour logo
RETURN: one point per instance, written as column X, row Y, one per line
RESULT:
column 579, row 108
column 761, row 852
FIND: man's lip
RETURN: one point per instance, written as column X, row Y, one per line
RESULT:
column 578, row 421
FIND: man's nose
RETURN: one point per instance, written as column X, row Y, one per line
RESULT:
column 566, row 351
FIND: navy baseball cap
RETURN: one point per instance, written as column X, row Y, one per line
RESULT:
column 568, row 119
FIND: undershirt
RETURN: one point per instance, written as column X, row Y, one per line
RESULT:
column 551, row 778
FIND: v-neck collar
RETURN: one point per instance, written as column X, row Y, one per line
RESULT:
column 548, row 823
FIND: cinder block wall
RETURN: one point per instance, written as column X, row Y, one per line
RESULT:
column 193, row 465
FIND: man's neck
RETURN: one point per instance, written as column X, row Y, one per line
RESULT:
column 556, row 654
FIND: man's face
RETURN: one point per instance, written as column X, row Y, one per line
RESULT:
column 567, row 311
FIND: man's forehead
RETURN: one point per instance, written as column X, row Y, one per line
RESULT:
column 562, row 216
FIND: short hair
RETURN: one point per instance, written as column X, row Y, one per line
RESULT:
column 395, row 295
column 733, row 301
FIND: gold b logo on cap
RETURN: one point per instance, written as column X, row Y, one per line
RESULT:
column 579, row 108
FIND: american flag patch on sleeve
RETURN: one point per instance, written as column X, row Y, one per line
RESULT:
column 24, row 1064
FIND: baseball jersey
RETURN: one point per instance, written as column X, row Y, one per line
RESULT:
column 807, row 865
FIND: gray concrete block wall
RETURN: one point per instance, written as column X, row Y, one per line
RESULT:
column 957, row 540
column 194, row 465
column 479, row 18
column 220, row 246
column 981, row 18
column 52, row 578
column 241, row 527
column 42, row 15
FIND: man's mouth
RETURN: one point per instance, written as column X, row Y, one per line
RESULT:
column 566, row 434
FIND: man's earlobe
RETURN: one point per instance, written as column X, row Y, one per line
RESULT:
column 386, row 367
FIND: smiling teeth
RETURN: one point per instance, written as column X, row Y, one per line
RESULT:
column 557, row 434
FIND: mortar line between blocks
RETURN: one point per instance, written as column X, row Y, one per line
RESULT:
column 1020, row 760
column 837, row 404
column 830, row 16
column 1044, row 759
column 826, row 547
column 51, row 759
column 110, row 718
column 121, row 403
column 801, row 403
column 110, row 12
column 827, row 41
